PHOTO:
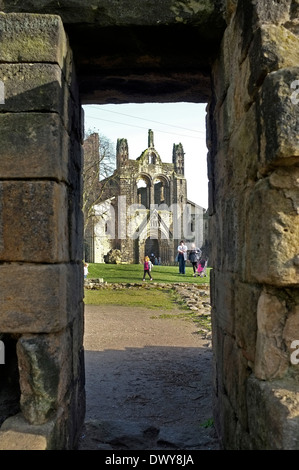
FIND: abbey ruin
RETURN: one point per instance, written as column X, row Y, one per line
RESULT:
column 142, row 208
column 239, row 56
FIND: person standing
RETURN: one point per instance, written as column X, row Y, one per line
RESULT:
column 182, row 256
column 85, row 270
column 194, row 257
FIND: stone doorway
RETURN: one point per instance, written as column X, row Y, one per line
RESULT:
column 247, row 71
column 152, row 249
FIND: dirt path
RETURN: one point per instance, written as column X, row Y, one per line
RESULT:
column 148, row 382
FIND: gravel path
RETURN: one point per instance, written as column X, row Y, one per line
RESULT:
column 148, row 382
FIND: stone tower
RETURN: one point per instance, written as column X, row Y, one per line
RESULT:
column 178, row 158
column 122, row 152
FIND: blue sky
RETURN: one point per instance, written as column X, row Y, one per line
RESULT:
column 172, row 123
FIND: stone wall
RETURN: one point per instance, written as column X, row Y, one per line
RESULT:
column 254, row 228
column 41, row 277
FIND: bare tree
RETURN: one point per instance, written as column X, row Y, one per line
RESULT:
column 98, row 170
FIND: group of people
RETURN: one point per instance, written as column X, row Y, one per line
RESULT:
column 156, row 260
column 199, row 263
column 195, row 257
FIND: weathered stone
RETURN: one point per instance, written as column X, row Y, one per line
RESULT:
column 113, row 257
column 46, row 374
column 17, row 434
column 139, row 46
column 253, row 196
column 243, row 151
column 40, row 222
column 273, row 47
column 291, row 331
column 279, row 119
column 104, row 12
column 287, row 180
column 35, row 299
column 235, row 370
column 33, row 146
column 32, row 87
column 278, row 13
column 33, row 38
column 271, row 361
column 273, row 414
column 36, row 213
column 222, row 300
column 246, row 321
column 272, row 237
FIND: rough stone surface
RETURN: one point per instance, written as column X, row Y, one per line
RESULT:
column 273, row 211
column 41, row 278
column 36, row 212
column 253, row 160
column 31, row 146
column 132, row 35
column 271, row 361
column 41, row 359
column 27, row 38
column 268, row 430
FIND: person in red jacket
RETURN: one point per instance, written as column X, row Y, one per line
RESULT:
column 146, row 268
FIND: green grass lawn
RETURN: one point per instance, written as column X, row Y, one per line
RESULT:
column 156, row 299
column 164, row 299
column 132, row 273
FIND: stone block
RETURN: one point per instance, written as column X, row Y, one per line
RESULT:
column 17, row 434
column 33, row 145
column 32, row 38
column 291, row 330
column 243, row 152
column 235, row 373
column 271, row 359
column 33, row 221
column 273, row 47
column 273, row 414
column 246, row 322
column 223, row 300
column 33, row 87
column 272, row 238
column 45, row 374
column 34, row 298
column 276, row 13
column 75, row 281
column 279, row 119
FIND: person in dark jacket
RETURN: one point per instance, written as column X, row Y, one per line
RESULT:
column 194, row 257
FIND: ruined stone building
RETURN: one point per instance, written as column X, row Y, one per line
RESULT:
column 241, row 58
column 143, row 208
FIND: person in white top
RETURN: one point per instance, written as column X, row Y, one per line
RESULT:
column 182, row 256
column 85, row 270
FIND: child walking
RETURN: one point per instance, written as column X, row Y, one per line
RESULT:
column 146, row 268
column 201, row 268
